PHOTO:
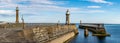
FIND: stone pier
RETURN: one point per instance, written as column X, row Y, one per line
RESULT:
column 38, row 33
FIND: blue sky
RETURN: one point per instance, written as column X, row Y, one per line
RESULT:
column 50, row 11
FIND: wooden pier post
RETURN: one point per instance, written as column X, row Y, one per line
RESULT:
column 86, row 32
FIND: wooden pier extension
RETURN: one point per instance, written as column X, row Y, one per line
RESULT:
column 98, row 29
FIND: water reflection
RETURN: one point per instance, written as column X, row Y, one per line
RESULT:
column 86, row 39
column 80, row 38
column 85, row 36
column 101, row 39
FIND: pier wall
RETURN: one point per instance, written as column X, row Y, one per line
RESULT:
column 38, row 33
column 49, row 34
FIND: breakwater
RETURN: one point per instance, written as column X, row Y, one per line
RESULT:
column 41, row 33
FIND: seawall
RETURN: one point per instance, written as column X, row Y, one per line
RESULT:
column 40, row 34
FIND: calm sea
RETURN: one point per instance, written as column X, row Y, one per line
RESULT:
column 113, row 29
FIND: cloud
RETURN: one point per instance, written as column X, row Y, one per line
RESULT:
column 7, row 12
column 94, row 7
column 37, row 10
column 101, row 1
column 88, row 11
column 96, row 11
column 29, row 2
column 43, row 1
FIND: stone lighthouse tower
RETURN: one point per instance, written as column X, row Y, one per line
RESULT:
column 67, row 17
column 17, row 15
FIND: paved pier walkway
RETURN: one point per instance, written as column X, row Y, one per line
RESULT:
column 63, row 38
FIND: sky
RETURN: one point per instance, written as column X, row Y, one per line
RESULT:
column 52, row 11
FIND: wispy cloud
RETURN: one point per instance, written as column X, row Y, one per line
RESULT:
column 35, row 9
column 48, row 2
column 43, row 2
column 7, row 12
column 101, row 1
column 44, row 10
column 96, row 11
column 93, row 6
